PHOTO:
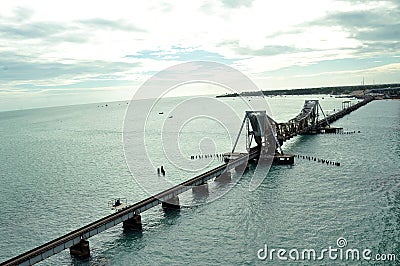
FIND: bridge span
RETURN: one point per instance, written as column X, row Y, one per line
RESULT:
column 257, row 123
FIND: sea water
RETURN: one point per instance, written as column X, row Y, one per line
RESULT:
column 60, row 166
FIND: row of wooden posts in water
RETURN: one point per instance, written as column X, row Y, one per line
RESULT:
column 342, row 133
column 206, row 156
column 315, row 159
column 221, row 156
column 305, row 157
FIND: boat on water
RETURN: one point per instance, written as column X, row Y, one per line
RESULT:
column 118, row 204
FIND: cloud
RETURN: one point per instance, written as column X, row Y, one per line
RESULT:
column 31, row 30
column 376, row 27
column 105, row 24
column 367, row 25
column 182, row 55
column 381, row 33
column 53, row 32
column 21, row 30
column 22, row 13
column 100, row 44
column 267, row 50
column 18, row 71
column 237, row 3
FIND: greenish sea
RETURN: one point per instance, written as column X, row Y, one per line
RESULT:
column 60, row 166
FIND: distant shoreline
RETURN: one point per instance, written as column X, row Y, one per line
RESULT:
column 356, row 91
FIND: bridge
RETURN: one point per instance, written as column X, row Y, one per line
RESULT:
column 263, row 134
column 308, row 122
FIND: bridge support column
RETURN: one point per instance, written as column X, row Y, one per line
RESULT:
column 81, row 249
column 280, row 140
column 201, row 189
column 283, row 159
column 253, row 161
column 171, row 204
column 242, row 168
column 134, row 223
column 224, row 177
column 333, row 130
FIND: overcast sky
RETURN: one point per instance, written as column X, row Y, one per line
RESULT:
column 64, row 52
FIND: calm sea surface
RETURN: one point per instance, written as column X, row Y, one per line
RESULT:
column 60, row 166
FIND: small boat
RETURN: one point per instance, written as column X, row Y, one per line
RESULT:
column 118, row 204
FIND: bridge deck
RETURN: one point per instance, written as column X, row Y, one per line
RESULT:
column 333, row 117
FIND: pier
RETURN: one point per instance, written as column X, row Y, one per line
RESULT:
column 262, row 132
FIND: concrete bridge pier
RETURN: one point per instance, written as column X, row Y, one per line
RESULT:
column 224, row 177
column 283, row 159
column 242, row 168
column 134, row 223
column 80, row 250
column 171, row 204
column 201, row 189
column 280, row 140
column 253, row 161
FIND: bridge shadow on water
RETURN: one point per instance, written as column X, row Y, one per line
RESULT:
column 170, row 217
column 200, row 197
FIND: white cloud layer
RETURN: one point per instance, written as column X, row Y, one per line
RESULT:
column 71, row 45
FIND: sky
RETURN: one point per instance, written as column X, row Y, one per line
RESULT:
column 69, row 52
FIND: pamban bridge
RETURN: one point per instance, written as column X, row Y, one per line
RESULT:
column 263, row 136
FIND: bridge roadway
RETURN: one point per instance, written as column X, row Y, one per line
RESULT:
column 333, row 117
column 55, row 246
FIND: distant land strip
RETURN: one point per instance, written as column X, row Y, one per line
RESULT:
column 357, row 91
